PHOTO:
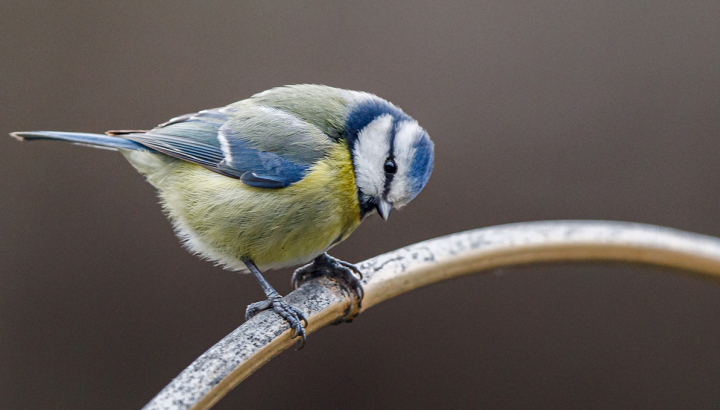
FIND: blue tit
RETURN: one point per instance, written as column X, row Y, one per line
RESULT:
column 277, row 179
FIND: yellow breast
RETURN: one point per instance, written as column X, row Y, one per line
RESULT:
column 224, row 220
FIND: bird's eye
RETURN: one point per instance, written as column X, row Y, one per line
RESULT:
column 390, row 166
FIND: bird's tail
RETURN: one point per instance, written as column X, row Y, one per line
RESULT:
column 81, row 138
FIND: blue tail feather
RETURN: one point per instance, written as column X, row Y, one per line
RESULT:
column 82, row 138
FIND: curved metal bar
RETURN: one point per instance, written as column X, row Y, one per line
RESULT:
column 324, row 301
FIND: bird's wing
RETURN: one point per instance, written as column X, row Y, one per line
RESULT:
column 263, row 147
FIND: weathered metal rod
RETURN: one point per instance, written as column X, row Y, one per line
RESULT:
column 324, row 301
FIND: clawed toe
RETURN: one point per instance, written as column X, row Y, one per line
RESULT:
column 257, row 307
column 274, row 301
column 323, row 265
column 351, row 267
column 291, row 314
column 294, row 317
column 326, row 265
column 301, row 275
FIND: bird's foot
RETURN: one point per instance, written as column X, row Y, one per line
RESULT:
column 291, row 314
column 326, row 265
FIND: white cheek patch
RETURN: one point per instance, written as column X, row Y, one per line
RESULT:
column 406, row 136
column 370, row 152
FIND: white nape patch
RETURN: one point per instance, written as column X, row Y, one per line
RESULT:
column 370, row 152
column 406, row 136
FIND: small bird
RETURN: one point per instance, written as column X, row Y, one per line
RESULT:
column 277, row 179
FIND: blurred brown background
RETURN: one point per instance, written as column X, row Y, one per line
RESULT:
column 605, row 109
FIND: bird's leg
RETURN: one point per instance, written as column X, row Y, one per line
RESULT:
column 326, row 265
column 275, row 302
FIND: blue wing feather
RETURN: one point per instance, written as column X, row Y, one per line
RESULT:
column 206, row 138
column 265, row 181
column 261, row 169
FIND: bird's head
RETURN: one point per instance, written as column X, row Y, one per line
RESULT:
column 392, row 155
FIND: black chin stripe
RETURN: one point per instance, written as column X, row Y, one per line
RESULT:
column 366, row 207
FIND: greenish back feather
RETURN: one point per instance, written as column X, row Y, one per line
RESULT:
column 325, row 107
column 270, row 129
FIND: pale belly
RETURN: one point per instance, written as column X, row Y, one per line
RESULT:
column 226, row 221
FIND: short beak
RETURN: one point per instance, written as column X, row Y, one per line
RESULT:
column 383, row 208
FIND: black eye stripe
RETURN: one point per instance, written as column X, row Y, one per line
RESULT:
column 390, row 166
